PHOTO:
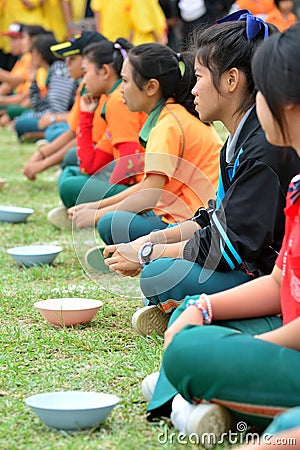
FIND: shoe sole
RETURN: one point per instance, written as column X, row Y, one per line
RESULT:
column 215, row 421
column 59, row 218
column 148, row 385
column 150, row 319
column 95, row 260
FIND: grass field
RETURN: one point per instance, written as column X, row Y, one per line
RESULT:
column 105, row 355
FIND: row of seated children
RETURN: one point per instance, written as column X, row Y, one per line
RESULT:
column 233, row 241
column 246, row 361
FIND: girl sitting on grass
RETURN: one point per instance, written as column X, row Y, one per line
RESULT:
column 92, row 180
column 181, row 152
column 248, row 361
column 237, row 238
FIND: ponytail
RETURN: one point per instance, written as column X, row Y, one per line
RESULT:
column 107, row 52
column 174, row 72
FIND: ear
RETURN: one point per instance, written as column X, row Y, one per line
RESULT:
column 152, row 87
column 233, row 77
column 290, row 107
column 107, row 71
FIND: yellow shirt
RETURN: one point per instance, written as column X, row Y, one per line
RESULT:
column 54, row 19
column 16, row 11
column 147, row 21
column 78, row 9
column 1, row 21
column 191, row 179
column 114, row 17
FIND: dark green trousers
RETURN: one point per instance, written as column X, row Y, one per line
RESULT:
column 74, row 187
column 223, row 363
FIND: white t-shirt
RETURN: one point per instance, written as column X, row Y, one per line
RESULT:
column 191, row 9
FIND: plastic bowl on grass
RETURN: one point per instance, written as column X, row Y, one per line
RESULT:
column 14, row 214
column 72, row 410
column 34, row 255
column 2, row 182
column 68, row 311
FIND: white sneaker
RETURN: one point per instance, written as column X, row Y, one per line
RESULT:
column 208, row 418
column 148, row 385
column 59, row 218
column 149, row 319
column 144, row 300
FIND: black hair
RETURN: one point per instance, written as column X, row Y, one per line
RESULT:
column 174, row 72
column 276, row 72
column 42, row 44
column 34, row 30
column 107, row 52
column 223, row 46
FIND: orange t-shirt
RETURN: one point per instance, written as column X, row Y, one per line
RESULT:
column 21, row 68
column 99, row 124
column 276, row 18
column 256, row 6
column 122, row 125
column 187, row 152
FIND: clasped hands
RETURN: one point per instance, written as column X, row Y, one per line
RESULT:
column 123, row 258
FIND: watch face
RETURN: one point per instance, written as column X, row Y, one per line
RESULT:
column 147, row 251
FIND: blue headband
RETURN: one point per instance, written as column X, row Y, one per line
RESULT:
column 253, row 24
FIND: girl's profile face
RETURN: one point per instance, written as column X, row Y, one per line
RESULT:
column 36, row 58
column 93, row 79
column 26, row 42
column 74, row 64
column 208, row 101
column 268, row 123
column 134, row 98
column 16, row 46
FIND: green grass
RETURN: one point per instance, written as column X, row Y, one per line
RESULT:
column 105, row 355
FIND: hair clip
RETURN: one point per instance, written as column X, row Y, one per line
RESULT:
column 181, row 64
column 123, row 52
column 253, row 24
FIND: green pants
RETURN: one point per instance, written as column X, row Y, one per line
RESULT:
column 74, row 187
column 70, row 159
column 223, row 363
column 15, row 110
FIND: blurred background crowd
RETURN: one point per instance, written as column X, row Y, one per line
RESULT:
column 127, row 18
column 23, row 61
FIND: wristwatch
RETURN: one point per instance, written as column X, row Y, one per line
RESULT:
column 52, row 118
column 145, row 252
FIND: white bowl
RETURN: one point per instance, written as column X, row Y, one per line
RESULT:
column 68, row 311
column 14, row 214
column 32, row 255
column 72, row 410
